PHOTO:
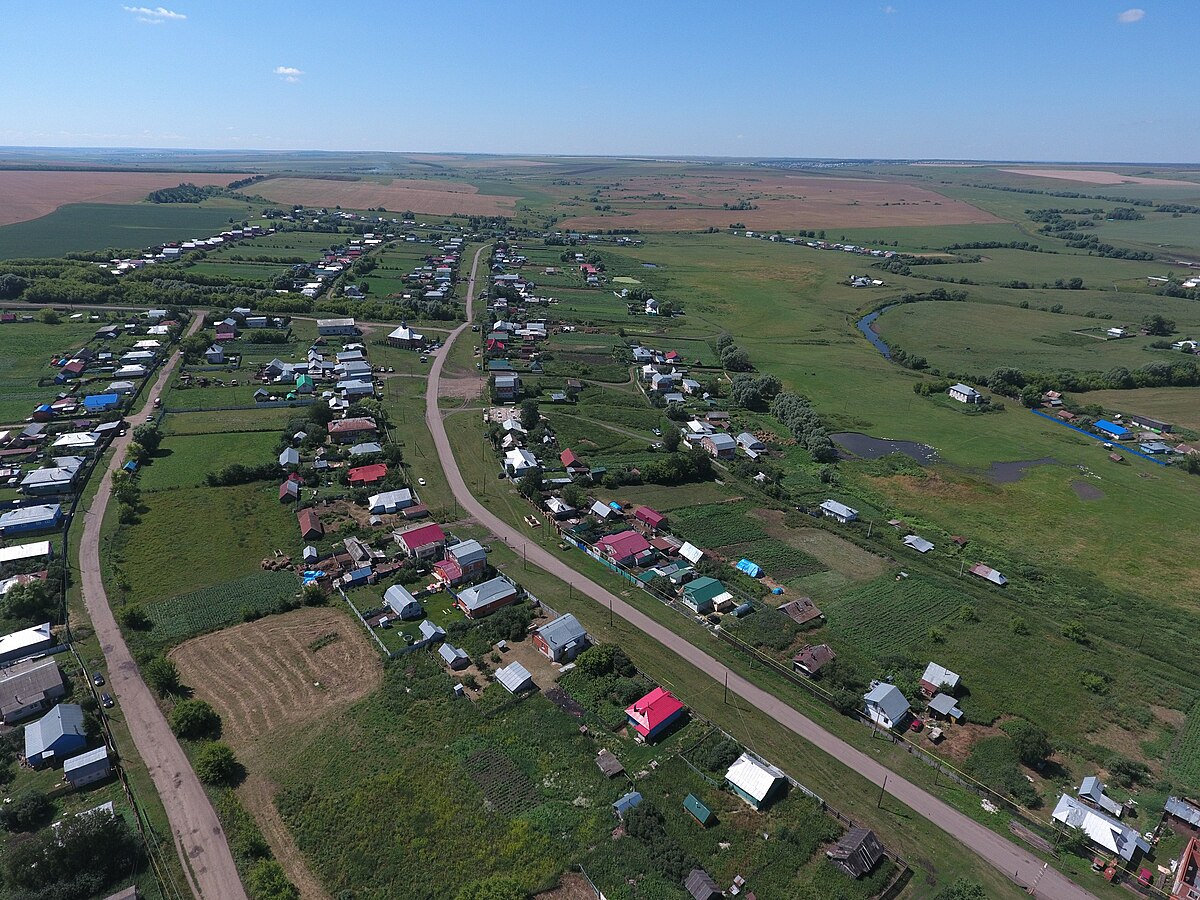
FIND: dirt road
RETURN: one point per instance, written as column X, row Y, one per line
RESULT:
column 1016, row 863
column 199, row 837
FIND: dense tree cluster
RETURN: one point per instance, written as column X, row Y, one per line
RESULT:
column 753, row 392
column 80, row 858
column 798, row 416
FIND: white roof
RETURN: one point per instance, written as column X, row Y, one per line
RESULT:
column 404, row 333
column 77, row 439
column 601, row 509
column 85, row 759
column 888, row 699
column 26, row 637
column 940, row 676
column 691, row 552
column 918, row 543
column 963, row 389
column 1108, row 833
column 519, row 458
column 24, row 551
column 753, row 776
column 839, row 509
column 514, row 676
column 558, row 505
column 335, row 323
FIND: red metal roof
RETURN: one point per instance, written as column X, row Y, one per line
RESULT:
column 309, row 522
column 568, row 457
column 627, row 543
column 359, row 424
column 449, row 570
column 368, row 474
column 423, row 536
column 649, row 516
column 652, row 710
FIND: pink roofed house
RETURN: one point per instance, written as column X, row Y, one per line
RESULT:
column 649, row 517
column 624, row 548
column 571, row 462
column 424, row 542
column 654, row 713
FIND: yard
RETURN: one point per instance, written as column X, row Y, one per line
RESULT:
column 25, row 350
column 182, row 461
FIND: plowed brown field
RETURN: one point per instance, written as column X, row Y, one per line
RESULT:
column 1096, row 176
column 439, row 198
column 30, row 195
column 781, row 201
column 261, row 676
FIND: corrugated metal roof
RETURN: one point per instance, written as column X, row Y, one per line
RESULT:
column 1183, row 810
column 753, row 776
column 85, row 759
column 514, row 677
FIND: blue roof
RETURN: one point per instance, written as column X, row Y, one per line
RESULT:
column 1110, row 427
column 627, row 802
column 100, row 401
column 749, row 568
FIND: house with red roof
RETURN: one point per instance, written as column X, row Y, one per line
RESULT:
column 423, row 542
column 289, row 491
column 367, row 474
column 649, row 517
column 311, row 528
column 573, row 464
column 653, row 714
column 352, row 431
column 624, row 548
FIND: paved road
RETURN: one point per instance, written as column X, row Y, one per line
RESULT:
column 199, row 837
column 1016, row 863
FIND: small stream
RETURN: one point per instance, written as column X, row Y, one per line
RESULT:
column 865, row 325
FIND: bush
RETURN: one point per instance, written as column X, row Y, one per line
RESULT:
column 215, row 764
column 195, row 719
column 134, row 618
column 81, row 858
column 1031, row 742
column 28, row 812
column 160, row 673
column 994, row 761
column 268, row 881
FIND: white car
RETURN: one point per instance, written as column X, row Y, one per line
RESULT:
column 421, row 482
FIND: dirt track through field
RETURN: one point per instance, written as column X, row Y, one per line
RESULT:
column 267, row 682
column 30, row 195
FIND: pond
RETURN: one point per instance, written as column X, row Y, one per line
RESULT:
column 867, row 326
column 866, row 447
column 1009, row 472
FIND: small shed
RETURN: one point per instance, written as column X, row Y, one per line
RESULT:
column 87, row 767
column 946, row 707
column 455, row 657
column 515, row 677
column 755, row 781
column 695, row 808
column 857, row 853
column 625, row 803
column 700, row 886
column 609, row 764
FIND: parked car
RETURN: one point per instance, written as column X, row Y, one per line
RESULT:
column 98, row 679
column 421, row 482
column 107, row 701
column 916, row 725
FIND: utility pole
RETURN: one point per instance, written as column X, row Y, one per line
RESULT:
column 870, row 527
column 879, row 805
column 726, row 685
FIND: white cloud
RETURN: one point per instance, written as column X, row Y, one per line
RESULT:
column 158, row 15
column 288, row 73
column 1131, row 15
column 889, row 10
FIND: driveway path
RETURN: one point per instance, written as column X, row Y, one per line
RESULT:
column 1016, row 863
column 199, row 838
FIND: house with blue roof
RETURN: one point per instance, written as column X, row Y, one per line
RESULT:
column 1111, row 430
column 101, row 402
column 57, row 735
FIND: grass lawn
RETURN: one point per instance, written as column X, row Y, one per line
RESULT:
column 216, row 422
column 25, row 350
column 190, row 538
column 182, row 461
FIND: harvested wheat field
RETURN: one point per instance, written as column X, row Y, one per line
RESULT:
column 422, row 196
column 1093, row 176
column 777, row 201
column 279, row 671
column 31, row 195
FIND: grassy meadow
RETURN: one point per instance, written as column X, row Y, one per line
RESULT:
column 182, row 461
column 25, row 350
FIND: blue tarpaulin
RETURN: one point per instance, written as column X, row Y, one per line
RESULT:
column 311, row 577
column 777, row 590
column 751, row 569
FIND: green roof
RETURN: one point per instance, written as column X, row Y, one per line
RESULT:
column 699, row 811
column 703, row 589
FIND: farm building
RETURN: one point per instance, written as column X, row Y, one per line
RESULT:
column 87, row 767
column 885, row 705
column 422, row 541
column 811, row 659
column 405, row 337
column 747, row 441
column 455, row 657
column 1102, row 831
column 700, row 594
column 562, row 639
column 649, row 517
column 917, row 543
column 215, row 355
column 609, row 764
column 1151, row 424
column 936, row 678
column 755, row 781
column 625, row 548
column 838, row 511
column 695, row 808
column 1184, row 812
column 802, row 610
column 944, row 706
column 56, row 735
column 289, row 458
column 988, row 574
column 363, row 475
column 857, row 853
column 26, row 642
column 330, row 327
column 654, row 713
column 289, row 491
column 515, row 677
column 402, row 603
column 719, row 446
column 625, row 803
column 1112, row 431
column 31, row 518
column 351, row 431
column 965, row 394
column 700, row 886
column 29, row 687
column 572, row 463
column 390, row 501
column 484, row 599
column 1091, row 791
column 311, row 528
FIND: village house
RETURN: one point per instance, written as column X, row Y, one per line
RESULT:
column 390, row 501
column 839, row 512
column 857, row 853
column 559, row 509
column 403, row 603
column 653, row 714
column 573, row 464
column 364, row 475
column 965, row 394
column 289, row 491
column 27, row 519
column 885, row 705
column 650, row 518
column 562, row 639
column 626, row 548
column 1091, row 791
column 351, row 431
column 747, row 441
column 701, row 594
column 29, row 687
column 811, row 659
column 422, row 541
column 406, row 338
column 519, row 462
column 56, row 736
column 464, row 561
column 1102, row 831
column 332, row 327
column 937, row 678
column 720, row 446
column 484, row 599
column 88, row 767
column 22, row 644
column 755, row 781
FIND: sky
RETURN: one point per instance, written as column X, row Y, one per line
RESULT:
column 1062, row 80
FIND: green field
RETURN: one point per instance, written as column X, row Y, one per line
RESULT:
column 209, row 609
column 25, row 350
column 94, row 226
column 192, row 538
column 182, row 461
column 213, row 422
